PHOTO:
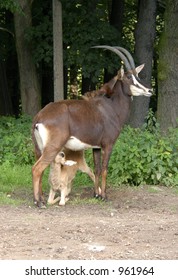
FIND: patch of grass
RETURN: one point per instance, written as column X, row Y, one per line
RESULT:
column 6, row 199
column 153, row 189
column 16, row 184
column 82, row 179
column 85, row 201
column 14, row 176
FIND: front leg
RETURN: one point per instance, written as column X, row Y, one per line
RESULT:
column 63, row 200
column 97, row 168
column 106, row 157
column 51, row 199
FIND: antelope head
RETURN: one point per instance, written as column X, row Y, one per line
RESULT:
column 130, row 77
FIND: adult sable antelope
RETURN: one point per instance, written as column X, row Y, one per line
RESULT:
column 81, row 124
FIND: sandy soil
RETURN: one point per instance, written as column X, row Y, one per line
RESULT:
column 134, row 224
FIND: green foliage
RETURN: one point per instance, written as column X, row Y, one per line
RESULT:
column 82, row 29
column 143, row 157
column 11, row 5
column 140, row 156
column 15, row 141
column 40, row 36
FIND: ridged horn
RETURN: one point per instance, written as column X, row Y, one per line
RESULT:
column 129, row 56
column 118, row 52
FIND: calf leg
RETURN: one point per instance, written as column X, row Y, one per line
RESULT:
column 66, row 189
column 51, row 199
column 63, row 196
column 86, row 169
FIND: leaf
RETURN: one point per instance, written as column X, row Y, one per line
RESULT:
column 158, row 176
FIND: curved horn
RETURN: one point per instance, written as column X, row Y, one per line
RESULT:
column 119, row 53
column 129, row 56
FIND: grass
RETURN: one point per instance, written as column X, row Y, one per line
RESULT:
column 16, row 185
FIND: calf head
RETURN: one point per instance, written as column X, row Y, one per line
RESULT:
column 61, row 159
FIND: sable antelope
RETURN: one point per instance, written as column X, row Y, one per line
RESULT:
column 81, row 124
column 62, row 172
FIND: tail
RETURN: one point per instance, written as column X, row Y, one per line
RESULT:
column 37, row 150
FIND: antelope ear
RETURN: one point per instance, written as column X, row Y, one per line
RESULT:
column 139, row 68
column 120, row 73
column 70, row 162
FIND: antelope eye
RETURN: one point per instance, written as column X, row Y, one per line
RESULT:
column 129, row 76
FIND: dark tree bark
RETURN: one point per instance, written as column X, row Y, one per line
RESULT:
column 58, row 51
column 144, row 44
column 29, row 83
column 116, row 20
column 167, row 69
column 5, row 99
column 116, row 16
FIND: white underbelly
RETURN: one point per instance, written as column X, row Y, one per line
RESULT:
column 75, row 144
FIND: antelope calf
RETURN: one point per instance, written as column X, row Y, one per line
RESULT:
column 62, row 172
column 81, row 124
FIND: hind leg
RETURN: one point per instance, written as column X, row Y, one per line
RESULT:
column 83, row 166
column 37, row 173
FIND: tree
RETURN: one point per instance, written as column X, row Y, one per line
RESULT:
column 116, row 16
column 144, row 46
column 8, row 86
column 167, row 69
column 29, row 82
column 58, row 51
column 5, row 100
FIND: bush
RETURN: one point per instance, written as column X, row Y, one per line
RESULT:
column 15, row 140
column 143, row 157
column 140, row 156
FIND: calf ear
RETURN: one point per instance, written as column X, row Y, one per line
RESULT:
column 70, row 162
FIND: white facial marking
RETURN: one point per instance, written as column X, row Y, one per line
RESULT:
column 41, row 135
column 76, row 145
column 138, row 89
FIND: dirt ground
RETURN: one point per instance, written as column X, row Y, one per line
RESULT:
column 137, row 223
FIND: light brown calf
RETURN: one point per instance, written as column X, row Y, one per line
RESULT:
column 62, row 172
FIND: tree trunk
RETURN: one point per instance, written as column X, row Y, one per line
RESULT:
column 167, row 69
column 144, row 43
column 29, row 83
column 5, row 99
column 116, row 20
column 58, row 51
column 117, row 12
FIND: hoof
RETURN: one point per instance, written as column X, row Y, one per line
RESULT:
column 97, row 196
column 104, row 199
column 61, row 203
column 40, row 204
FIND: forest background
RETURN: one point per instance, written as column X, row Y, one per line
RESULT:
column 147, row 28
